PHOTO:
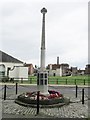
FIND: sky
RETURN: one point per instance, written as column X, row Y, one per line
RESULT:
column 66, row 30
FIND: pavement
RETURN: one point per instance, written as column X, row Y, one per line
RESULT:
column 74, row 110
column 48, row 85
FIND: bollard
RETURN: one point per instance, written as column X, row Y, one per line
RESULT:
column 5, row 92
column 16, row 88
column 38, row 92
column 83, row 96
column 66, row 81
column 76, row 91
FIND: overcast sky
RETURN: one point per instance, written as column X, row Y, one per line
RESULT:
column 66, row 30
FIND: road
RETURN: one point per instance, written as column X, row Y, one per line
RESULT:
column 65, row 90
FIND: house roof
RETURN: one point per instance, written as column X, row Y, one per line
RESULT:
column 4, row 57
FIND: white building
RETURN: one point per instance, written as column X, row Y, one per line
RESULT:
column 58, row 69
column 12, row 67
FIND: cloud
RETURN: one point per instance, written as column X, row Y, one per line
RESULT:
column 69, row 35
column 66, row 30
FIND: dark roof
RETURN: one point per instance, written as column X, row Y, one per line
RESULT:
column 64, row 64
column 7, row 58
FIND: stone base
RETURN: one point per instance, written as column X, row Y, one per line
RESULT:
column 44, row 102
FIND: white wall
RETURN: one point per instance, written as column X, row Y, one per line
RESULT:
column 19, row 72
column 51, row 72
column 11, row 65
column 61, row 71
column 57, row 72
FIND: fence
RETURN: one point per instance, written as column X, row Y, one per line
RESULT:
column 52, row 81
column 68, row 81
column 16, row 88
column 5, row 95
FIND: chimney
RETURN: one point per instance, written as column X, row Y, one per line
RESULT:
column 57, row 60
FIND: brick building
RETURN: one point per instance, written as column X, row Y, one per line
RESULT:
column 87, row 69
column 30, row 68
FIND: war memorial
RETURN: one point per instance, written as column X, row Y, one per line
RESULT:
column 43, row 100
column 47, row 98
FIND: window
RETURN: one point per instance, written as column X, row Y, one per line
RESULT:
column 41, row 82
column 45, row 81
column 54, row 74
column 41, row 75
column 45, row 75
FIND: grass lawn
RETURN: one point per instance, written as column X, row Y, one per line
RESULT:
column 69, row 80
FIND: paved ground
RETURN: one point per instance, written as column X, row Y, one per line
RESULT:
column 74, row 110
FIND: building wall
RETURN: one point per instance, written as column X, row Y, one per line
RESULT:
column 2, row 71
column 10, row 65
column 64, row 69
column 58, row 70
column 87, row 69
column 30, row 68
column 74, row 70
column 19, row 72
column 51, row 72
column 53, row 66
column 54, row 72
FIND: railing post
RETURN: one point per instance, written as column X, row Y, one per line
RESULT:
column 13, row 80
column 84, row 81
column 75, row 81
column 57, row 82
column 48, row 80
column 76, row 91
column 66, row 81
column 16, row 88
column 83, row 96
column 30, row 80
column 21, row 80
column 5, row 92
column 38, row 92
